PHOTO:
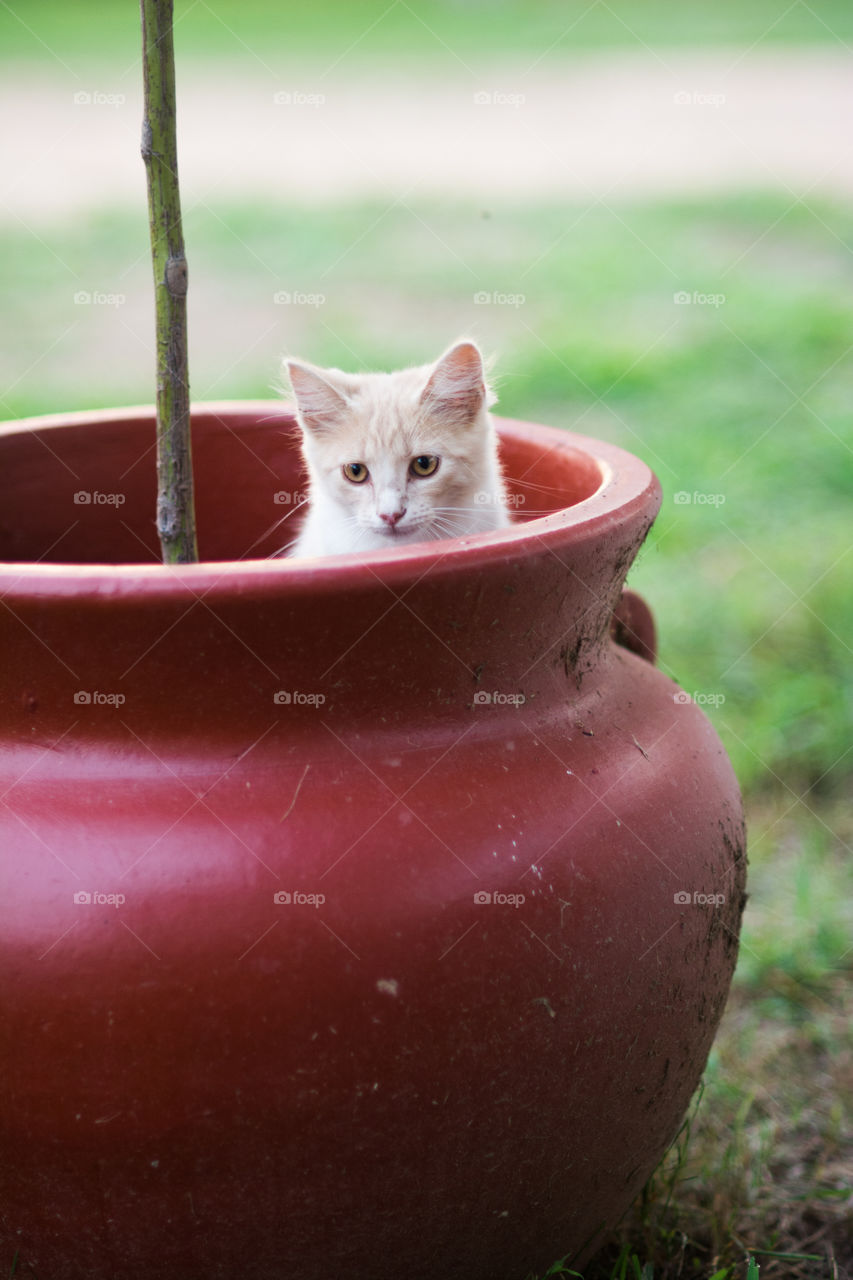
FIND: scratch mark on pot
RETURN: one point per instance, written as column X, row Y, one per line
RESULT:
column 546, row 1003
column 295, row 794
column 639, row 748
column 108, row 1119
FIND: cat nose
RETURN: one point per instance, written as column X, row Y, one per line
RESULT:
column 391, row 517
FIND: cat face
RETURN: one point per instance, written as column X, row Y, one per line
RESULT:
column 396, row 458
column 391, row 487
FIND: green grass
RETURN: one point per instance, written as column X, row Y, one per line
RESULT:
column 762, row 1167
column 761, row 1174
column 748, row 400
column 349, row 32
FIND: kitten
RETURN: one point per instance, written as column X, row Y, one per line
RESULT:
column 396, row 458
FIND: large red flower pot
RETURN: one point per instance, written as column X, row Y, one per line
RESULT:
column 361, row 917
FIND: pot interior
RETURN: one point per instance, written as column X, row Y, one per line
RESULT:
column 82, row 489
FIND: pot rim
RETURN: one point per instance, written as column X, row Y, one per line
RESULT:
column 628, row 486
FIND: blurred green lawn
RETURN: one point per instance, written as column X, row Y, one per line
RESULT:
column 382, row 29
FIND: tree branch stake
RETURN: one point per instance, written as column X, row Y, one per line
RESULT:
column 175, row 501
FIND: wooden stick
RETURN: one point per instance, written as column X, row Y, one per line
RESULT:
column 175, row 501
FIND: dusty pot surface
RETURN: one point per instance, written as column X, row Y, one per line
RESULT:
column 366, row 917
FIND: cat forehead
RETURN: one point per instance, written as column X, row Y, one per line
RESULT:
column 383, row 436
column 366, row 391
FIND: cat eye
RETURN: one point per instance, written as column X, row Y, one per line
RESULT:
column 356, row 472
column 424, row 465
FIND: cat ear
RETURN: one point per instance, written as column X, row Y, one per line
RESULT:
column 456, row 390
column 321, row 406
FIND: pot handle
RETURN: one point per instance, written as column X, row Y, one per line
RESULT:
column 633, row 626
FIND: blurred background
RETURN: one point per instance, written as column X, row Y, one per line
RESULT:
column 643, row 211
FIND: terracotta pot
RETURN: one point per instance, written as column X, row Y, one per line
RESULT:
column 361, row 918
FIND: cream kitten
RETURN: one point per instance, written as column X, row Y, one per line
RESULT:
column 396, row 458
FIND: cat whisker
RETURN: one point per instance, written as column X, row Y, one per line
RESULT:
column 478, row 507
column 272, row 528
column 282, row 551
column 448, row 527
column 538, row 488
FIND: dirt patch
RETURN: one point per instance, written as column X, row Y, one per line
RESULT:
column 604, row 126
